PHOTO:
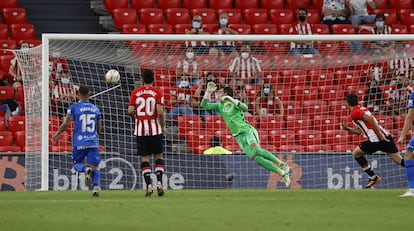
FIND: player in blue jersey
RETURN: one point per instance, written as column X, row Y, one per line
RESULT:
column 409, row 154
column 87, row 125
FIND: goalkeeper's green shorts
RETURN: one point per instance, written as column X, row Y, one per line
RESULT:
column 247, row 138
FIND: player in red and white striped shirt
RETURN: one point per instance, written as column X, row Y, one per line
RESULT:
column 302, row 28
column 146, row 105
column 379, row 139
column 246, row 67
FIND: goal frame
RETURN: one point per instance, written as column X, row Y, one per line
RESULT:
column 47, row 37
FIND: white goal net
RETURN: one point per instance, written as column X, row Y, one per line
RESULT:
column 306, row 134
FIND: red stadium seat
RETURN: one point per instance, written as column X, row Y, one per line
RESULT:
column 16, row 123
column 401, row 4
column 406, row 16
column 298, row 122
column 272, row 4
column 348, row 148
column 319, row 148
column 385, row 121
column 319, row 77
column 10, row 149
column 343, row 29
column 14, row 16
column 207, row 63
column 383, row 4
column 265, row 61
column 6, row 138
column 168, row 4
column 5, row 62
column 275, row 48
column 315, row 107
column 347, row 77
column 7, row 44
column 159, row 29
column 281, row 16
column 320, row 29
column 8, row 4
column 284, row 93
column 214, row 123
column 326, row 122
column 151, row 61
column 32, row 42
column 234, row 15
column 151, row 16
column 194, row 4
column 20, row 137
column 293, row 78
column 314, row 16
column 187, row 123
column 328, row 48
column 19, row 94
column 338, row 108
column 331, row 92
column 356, row 89
column 139, row 4
column 312, row 62
column 294, row 148
column 227, row 139
column 220, row 4
column 294, row 4
column 133, row 29
column 399, row 29
column 210, row 28
column 338, row 62
column 19, row 32
column 123, row 16
column 198, row 142
column 285, row 62
column 337, row 137
column 307, row 137
column 292, row 107
column 241, row 28
column 391, row 16
column 305, row 92
column 264, row 29
column 269, row 123
column 111, row 5
column 281, row 137
column 246, row 4
column 287, row 29
column 255, row 16
column 177, row 16
column 58, row 148
column 2, row 123
column 208, row 15
column 4, row 31
column 317, row 4
column 182, row 28
column 6, row 92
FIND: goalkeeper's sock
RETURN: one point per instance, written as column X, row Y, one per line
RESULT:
column 96, row 177
column 409, row 172
column 79, row 167
column 266, row 154
column 362, row 161
column 146, row 172
column 159, row 169
column 268, row 165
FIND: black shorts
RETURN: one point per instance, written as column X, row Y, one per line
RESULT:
column 387, row 147
column 149, row 145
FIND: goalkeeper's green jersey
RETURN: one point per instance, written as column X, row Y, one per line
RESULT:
column 232, row 115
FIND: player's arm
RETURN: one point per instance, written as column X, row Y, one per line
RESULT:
column 62, row 128
column 374, row 124
column 131, row 111
column 409, row 118
column 161, row 117
column 350, row 130
column 374, row 3
column 281, row 108
column 99, row 124
column 240, row 105
column 211, row 87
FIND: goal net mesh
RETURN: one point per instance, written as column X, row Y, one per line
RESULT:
column 308, row 134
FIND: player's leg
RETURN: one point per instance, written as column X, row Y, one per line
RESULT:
column 93, row 171
column 158, row 148
column 391, row 149
column 78, row 157
column 409, row 169
column 143, row 152
column 358, row 154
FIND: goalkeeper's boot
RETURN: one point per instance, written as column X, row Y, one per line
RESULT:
column 409, row 193
column 88, row 176
column 160, row 189
column 286, row 178
column 148, row 191
column 372, row 182
column 285, row 168
column 96, row 190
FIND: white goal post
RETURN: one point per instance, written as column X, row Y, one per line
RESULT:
column 90, row 54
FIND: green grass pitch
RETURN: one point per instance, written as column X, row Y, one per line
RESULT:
column 227, row 210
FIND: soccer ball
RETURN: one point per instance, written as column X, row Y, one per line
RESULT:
column 112, row 76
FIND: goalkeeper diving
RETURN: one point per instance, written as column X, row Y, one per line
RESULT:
column 232, row 111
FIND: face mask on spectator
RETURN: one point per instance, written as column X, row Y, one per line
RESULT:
column 302, row 18
column 189, row 55
column 65, row 80
column 25, row 49
column 245, row 55
column 196, row 25
column 379, row 23
column 266, row 90
column 184, row 83
column 399, row 85
column 223, row 21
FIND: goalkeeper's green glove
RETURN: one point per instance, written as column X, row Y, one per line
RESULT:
column 235, row 101
column 211, row 87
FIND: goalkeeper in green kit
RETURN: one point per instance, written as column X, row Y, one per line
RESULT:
column 245, row 134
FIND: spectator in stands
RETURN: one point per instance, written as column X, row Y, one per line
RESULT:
column 402, row 65
column 268, row 103
column 64, row 93
column 398, row 94
column 335, row 12
column 225, row 47
column 302, row 28
column 198, row 94
column 246, row 68
column 180, row 100
column 385, row 47
column 359, row 12
column 374, row 99
column 189, row 67
column 200, row 47
column 14, row 70
column 56, row 64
